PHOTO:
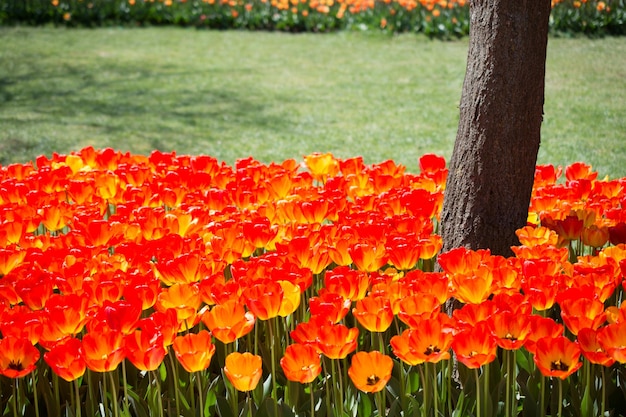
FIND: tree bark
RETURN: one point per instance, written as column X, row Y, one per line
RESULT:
column 492, row 166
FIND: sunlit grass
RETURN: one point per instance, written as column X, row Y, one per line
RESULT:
column 275, row 96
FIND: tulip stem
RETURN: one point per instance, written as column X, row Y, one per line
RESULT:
column 114, row 395
column 542, row 402
column 435, row 391
column 35, row 397
column 312, row 400
column 340, row 391
column 157, row 383
column 402, row 386
column 199, row 383
column 380, row 404
column 425, row 389
column 176, row 384
column 124, row 381
column 603, row 401
column 15, row 382
column 478, row 394
column 326, row 381
column 510, row 402
column 270, row 325
column 560, row 405
column 77, row 395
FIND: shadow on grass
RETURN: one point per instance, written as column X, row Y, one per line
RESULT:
column 149, row 107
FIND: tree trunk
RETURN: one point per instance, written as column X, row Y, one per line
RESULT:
column 493, row 162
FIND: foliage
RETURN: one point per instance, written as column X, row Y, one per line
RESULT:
column 435, row 18
column 178, row 285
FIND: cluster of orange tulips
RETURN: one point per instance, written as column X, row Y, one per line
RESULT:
column 179, row 285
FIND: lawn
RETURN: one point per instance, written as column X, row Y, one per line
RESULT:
column 273, row 96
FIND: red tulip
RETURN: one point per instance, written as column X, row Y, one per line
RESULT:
column 557, row 357
column 301, row 363
column 18, row 357
column 475, row 347
column 103, row 349
column 66, row 359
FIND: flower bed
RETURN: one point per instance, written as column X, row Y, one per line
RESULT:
column 173, row 285
column 436, row 18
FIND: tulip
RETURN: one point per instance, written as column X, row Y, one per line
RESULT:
column 229, row 321
column 66, row 359
column 243, row 370
column 301, row 363
column 194, row 351
column 18, row 357
column 557, row 357
column 370, row 371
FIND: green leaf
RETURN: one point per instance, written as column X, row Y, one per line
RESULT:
column 163, row 371
column 396, row 409
column 586, row 404
column 364, row 406
column 223, row 407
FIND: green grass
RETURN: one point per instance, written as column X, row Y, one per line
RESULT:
column 274, row 96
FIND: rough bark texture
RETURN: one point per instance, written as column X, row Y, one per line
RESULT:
column 495, row 153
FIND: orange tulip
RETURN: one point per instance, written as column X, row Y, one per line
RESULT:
column 541, row 327
column 349, row 283
column 582, row 313
column 18, row 357
column 370, row 371
column 68, row 312
column 580, row 170
column 307, row 332
column 301, row 363
column 612, row 338
column 531, row 236
column 403, row 252
column 321, row 165
column 145, row 348
column 368, row 256
column 417, row 307
column 184, row 298
column 184, row 269
column 510, row 329
column 22, row 323
column 66, row 359
column 337, row 341
column 470, row 315
column 557, row 357
column 435, row 283
column 403, row 347
column 291, row 298
column 229, row 321
column 541, row 290
column 194, row 351
column 374, row 313
column 10, row 258
column 264, row 299
column 592, row 349
column 103, row 349
column 475, row 347
column 243, row 370
column 429, row 341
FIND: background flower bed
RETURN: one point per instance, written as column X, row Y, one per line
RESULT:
column 136, row 284
column 437, row 18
